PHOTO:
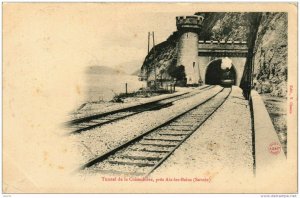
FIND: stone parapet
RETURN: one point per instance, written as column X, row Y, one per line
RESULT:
column 222, row 48
column 223, row 42
column 189, row 22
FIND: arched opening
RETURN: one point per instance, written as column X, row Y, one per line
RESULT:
column 215, row 75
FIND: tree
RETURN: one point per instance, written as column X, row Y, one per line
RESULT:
column 177, row 72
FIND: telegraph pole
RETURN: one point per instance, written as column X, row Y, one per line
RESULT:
column 147, row 69
column 148, row 42
column 154, row 61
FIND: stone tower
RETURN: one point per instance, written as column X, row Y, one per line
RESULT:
column 189, row 27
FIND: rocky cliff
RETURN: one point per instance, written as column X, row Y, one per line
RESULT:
column 163, row 56
column 270, row 49
column 270, row 58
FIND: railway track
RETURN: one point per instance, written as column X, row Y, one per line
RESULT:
column 143, row 154
column 91, row 122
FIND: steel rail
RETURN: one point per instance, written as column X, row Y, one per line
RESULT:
column 136, row 139
column 152, row 106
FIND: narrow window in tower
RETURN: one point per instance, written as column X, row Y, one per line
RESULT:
column 193, row 64
column 187, row 35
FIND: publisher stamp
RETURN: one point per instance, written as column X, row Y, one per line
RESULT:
column 275, row 148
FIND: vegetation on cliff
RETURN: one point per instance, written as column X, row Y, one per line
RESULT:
column 163, row 56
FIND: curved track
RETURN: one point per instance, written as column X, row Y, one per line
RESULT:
column 143, row 154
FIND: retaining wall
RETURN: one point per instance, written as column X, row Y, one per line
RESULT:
column 267, row 155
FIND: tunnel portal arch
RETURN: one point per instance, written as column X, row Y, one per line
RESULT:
column 214, row 75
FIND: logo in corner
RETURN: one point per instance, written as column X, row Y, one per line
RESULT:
column 275, row 148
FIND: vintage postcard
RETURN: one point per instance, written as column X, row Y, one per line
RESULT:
column 150, row 98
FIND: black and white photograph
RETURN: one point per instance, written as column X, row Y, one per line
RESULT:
column 150, row 98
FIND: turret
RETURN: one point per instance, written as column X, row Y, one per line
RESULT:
column 189, row 28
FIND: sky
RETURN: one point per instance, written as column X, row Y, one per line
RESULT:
column 49, row 46
column 88, row 34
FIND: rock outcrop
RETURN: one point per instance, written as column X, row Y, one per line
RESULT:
column 163, row 56
column 270, row 49
column 270, row 58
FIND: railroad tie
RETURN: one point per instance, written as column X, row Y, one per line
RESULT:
column 141, row 157
column 151, row 151
column 140, row 164
column 161, row 139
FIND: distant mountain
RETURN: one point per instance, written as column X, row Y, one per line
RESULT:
column 103, row 70
column 130, row 67
column 136, row 72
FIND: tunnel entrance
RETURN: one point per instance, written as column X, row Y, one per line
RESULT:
column 215, row 75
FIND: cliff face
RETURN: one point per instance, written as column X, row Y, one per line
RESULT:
column 232, row 26
column 270, row 50
column 270, row 60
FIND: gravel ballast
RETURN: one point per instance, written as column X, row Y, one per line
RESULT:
column 221, row 146
column 98, row 141
column 93, row 108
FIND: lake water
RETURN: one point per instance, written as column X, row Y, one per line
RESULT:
column 101, row 87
